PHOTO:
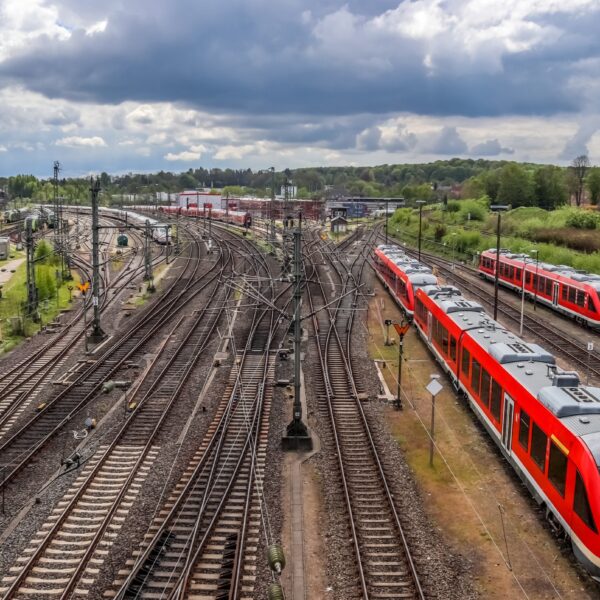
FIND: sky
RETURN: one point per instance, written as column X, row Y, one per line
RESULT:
column 145, row 85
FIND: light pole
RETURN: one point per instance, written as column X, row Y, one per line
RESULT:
column 497, row 208
column 453, row 237
column 535, row 283
column 420, row 205
column 386, row 222
column 523, row 295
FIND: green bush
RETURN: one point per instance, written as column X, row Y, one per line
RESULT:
column 582, row 220
column 453, row 206
column 473, row 210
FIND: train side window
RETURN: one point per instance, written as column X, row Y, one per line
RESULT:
column 557, row 468
column 541, row 284
column 549, row 287
column 591, row 305
column 528, row 277
column 580, row 298
column 518, row 274
column 444, row 333
column 565, row 291
column 475, row 377
column 511, row 272
column 485, row 388
column 539, row 441
column 452, row 348
column 466, row 359
column 581, row 504
column 535, row 279
column 524, row 426
column 572, row 294
column 496, row 401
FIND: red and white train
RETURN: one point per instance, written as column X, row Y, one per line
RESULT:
column 401, row 275
column 546, row 424
column 235, row 217
column 564, row 289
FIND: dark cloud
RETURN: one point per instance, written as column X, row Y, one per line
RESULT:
column 490, row 148
column 259, row 57
column 447, row 142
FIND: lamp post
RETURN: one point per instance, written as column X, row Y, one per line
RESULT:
column 498, row 209
column 535, row 282
column 386, row 222
column 453, row 237
column 420, row 205
column 523, row 296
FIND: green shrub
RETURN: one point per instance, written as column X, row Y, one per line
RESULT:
column 453, row 206
column 582, row 220
column 439, row 232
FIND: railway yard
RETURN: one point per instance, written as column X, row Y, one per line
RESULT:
column 163, row 460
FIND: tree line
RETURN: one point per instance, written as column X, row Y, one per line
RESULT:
column 504, row 182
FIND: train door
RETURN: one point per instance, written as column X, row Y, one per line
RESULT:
column 507, row 422
column 555, row 293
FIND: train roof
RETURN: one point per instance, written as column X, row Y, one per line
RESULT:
column 577, row 406
column 417, row 273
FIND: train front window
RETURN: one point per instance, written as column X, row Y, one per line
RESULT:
column 557, row 468
column 539, row 441
column 581, row 504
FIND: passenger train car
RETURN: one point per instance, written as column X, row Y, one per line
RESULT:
column 234, row 217
column 402, row 275
column 564, row 289
column 545, row 422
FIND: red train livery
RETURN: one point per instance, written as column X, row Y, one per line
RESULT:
column 235, row 217
column 545, row 422
column 564, row 289
column 402, row 275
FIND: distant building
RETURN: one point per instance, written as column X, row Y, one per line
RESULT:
column 292, row 191
column 339, row 224
column 193, row 198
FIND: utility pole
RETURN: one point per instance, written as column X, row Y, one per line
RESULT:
column 32, row 296
column 148, row 275
column 97, row 333
column 297, row 436
column 60, row 233
column 271, row 215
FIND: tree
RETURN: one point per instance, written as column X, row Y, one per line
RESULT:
column 550, row 187
column 579, row 167
column 516, row 186
column 593, row 185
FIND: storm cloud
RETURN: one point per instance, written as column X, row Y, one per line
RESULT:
column 331, row 75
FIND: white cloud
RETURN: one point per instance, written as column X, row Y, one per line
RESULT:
column 23, row 21
column 98, row 27
column 78, row 141
column 3, row 149
column 185, row 156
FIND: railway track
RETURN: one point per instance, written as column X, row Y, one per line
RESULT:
column 203, row 543
column 21, row 384
column 551, row 336
column 71, row 545
column 384, row 564
column 85, row 380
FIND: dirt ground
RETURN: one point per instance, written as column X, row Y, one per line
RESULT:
column 473, row 497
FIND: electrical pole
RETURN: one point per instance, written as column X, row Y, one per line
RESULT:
column 97, row 333
column 32, row 297
column 148, row 276
column 60, row 226
column 271, row 215
column 297, row 436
